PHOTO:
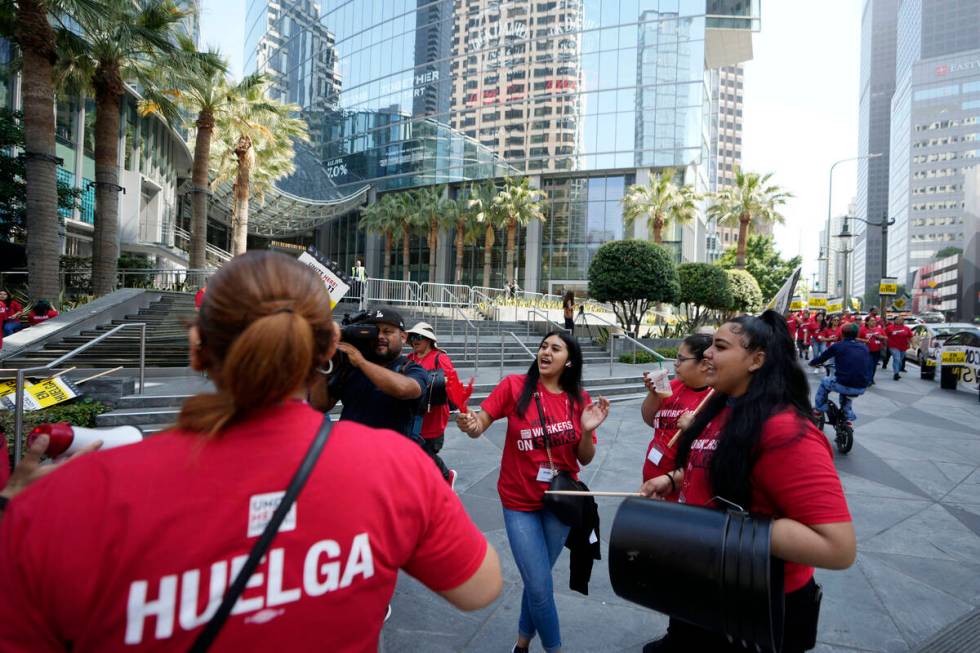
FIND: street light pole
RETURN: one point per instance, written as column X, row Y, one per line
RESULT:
column 830, row 197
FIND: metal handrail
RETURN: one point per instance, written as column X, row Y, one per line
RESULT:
column 636, row 343
column 22, row 373
column 535, row 311
column 466, row 336
column 523, row 346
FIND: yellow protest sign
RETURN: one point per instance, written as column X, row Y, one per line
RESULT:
column 888, row 286
column 818, row 300
column 797, row 304
column 855, row 303
column 899, row 303
column 326, row 270
column 835, row 305
column 42, row 394
column 954, row 357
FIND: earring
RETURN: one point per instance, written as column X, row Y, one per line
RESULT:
column 568, row 364
column 326, row 372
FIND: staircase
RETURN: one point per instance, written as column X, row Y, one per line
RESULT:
column 166, row 339
column 155, row 413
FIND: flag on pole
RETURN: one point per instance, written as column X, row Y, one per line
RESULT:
column 780, row 303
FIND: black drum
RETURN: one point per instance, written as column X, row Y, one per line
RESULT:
column 710, row 568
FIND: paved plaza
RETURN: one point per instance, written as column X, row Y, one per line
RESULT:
column 912, row 483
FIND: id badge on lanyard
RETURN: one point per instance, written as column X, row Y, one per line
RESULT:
column 655, row 455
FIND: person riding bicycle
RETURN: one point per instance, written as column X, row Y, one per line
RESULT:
column 852, row 359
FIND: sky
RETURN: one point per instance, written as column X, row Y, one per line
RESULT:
column 801, row 104
column 801, row 113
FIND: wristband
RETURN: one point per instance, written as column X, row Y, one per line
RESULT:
column 673, row 486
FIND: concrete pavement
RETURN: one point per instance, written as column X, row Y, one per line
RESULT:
column 912, row 483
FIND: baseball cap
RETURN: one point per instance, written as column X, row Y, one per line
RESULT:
column 386, row 316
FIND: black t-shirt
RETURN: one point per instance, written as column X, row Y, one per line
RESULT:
column 366, row 404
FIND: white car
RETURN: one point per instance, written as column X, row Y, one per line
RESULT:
column 926, row 338
column 958, row 359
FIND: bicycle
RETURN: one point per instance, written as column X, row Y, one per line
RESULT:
column 843, row 430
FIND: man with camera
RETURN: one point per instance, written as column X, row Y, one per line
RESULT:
column 425, row 352
column 378, row 386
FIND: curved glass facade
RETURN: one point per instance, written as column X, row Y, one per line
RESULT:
column 402, row 93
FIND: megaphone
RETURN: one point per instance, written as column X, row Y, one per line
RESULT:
column 65, row 439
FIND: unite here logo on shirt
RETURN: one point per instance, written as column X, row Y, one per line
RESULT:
column 176, row 595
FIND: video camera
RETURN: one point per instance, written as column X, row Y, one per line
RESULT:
column 355, row 330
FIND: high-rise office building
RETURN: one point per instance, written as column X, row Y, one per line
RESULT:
column 879, row 22
column 584, row 97
column 729, row 87
column 935, row 131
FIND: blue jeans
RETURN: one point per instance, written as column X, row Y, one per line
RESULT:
column 536, row 540
column 10, row 327
column 898, row 357
column 818, row 347
column 829, row 384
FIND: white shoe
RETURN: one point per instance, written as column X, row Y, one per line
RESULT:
column 452, row 479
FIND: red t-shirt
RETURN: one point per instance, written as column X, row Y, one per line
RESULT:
column 830, row 335
column 685, row 398
column 199, row 297
column 35, row 318
column 524, row 447
column 874, row 344
column 118, row 550
column 899, row 337
column 791, row 324
column 793, row 476
column 434, row 422
column 12, row 308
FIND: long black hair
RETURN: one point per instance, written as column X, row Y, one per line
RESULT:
column 779, row 384
column 570, row 380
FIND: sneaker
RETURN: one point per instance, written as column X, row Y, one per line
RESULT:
column 452, row 479
column 896, row 377
column 388, row 614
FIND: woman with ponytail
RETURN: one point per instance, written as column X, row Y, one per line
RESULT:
column 753, row 445
column 133, row 548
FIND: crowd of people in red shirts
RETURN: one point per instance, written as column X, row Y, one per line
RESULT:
column 885, row 339
column 13, row 315
column 179, row 513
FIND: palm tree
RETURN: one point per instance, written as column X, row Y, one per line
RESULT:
column 406, row 207
column 257, row 137
column 203, row 90
column 518, row 204
column 661, row 202
column 126, row 40
column 752, row 199
column 380, row 218
column 486, row 214
column 467, row 230
column 435, row 211
column 35, row 37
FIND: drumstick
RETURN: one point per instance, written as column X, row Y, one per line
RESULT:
column 677, row 435
column 581, row 493
column 115, row 369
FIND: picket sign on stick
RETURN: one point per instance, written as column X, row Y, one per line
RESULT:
column 582, row 493
column 62, row 372
column 697, row 410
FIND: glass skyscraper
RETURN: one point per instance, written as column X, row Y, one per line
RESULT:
column 584, row 96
